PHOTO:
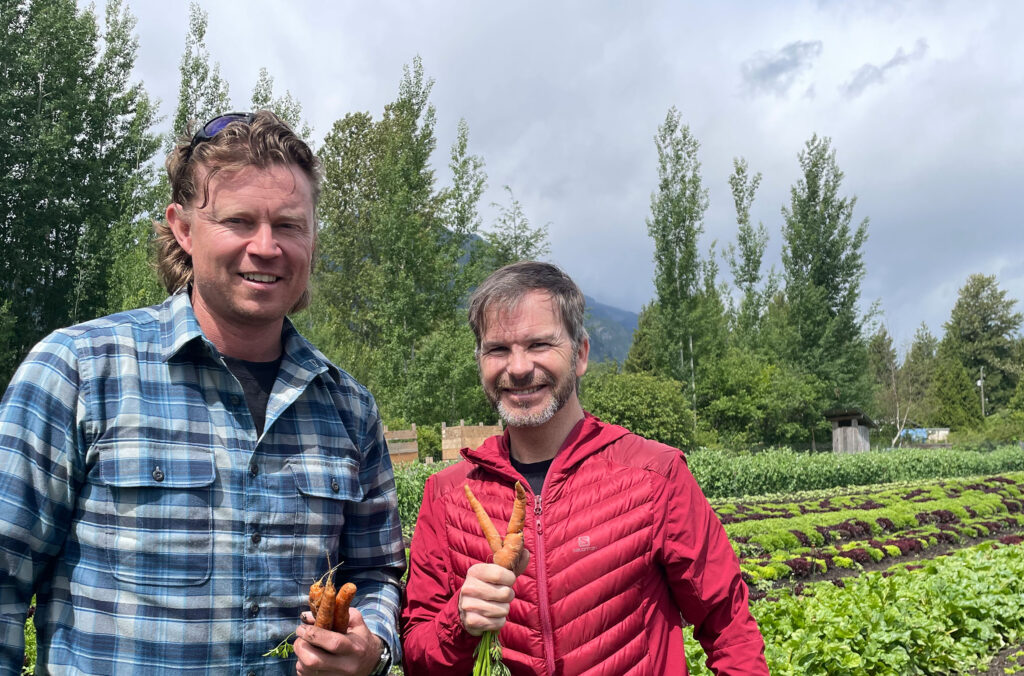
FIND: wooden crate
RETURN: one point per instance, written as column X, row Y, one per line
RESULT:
column 456, row 437
column 402, row 445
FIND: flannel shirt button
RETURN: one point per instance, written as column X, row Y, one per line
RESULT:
column 158, row 474
column 254, row 609
column 256, row 537
column 235, row 401
column 254, row 469
column 251, row 673
column 334, row 485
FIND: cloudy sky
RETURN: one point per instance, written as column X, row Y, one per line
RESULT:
column 924, row 103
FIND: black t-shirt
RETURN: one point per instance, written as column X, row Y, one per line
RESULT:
column 257, row 381
column 533, row 472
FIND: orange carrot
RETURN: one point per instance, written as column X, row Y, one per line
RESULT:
column 316, row 592
column 490, row 532
column 325, row 611
column 515, row 524
column 508, row 555
column 341, row 605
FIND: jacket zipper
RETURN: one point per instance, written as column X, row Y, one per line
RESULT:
column 547, row 635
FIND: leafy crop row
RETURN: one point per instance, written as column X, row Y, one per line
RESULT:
column 850, row 530
column 947, row 616
column 728, row 474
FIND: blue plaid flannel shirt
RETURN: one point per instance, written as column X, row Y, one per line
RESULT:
column 157, row 532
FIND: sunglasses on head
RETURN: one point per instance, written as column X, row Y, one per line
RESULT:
column 216, row 125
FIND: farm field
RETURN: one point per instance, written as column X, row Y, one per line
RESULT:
column 911, row 578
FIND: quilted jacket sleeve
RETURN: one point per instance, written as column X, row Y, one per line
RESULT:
column 434, row 640
column 704, row 574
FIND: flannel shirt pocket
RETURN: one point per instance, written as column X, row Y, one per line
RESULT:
column 158, row 512
column 326, row 487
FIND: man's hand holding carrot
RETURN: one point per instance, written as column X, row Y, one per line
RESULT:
column 486, row 595
column 328, row 653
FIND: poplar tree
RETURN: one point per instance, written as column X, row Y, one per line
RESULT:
column 676, row 224
column 745, row 257
column 74, row 139
column 285, row 106
column 387, row 272
column 202, row 92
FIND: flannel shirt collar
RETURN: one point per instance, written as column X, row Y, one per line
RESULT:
column 179, row 328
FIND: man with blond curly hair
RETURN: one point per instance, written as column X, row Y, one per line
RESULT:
column 173, row 478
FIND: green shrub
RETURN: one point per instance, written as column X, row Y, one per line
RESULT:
column 410, row 478
column 647, row 405
column 428, row 442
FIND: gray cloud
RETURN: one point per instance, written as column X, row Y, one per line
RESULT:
column 775, row 73
column 870, row 74
column 564, row 110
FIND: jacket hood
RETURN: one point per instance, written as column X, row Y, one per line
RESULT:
column 589, row 436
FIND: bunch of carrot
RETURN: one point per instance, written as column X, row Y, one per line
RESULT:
column 330, row 608
column 505, row 553
column 329, row 605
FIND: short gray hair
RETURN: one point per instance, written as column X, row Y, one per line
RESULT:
column 507, row 286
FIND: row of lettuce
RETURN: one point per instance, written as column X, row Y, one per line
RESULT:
column 948, row 615
column 796, row 537
column 722, row 474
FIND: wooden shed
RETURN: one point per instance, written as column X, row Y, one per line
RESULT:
column 851, row 429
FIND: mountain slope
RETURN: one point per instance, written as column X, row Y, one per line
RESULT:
column 611, row 331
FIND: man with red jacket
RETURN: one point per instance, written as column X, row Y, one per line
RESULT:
column 622, row 543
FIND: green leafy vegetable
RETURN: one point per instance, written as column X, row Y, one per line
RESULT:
column 283, row 649
column 488, row 656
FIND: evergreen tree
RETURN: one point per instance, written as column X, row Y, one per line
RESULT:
column 981, row 333
column 917, row 371
column 512, row 239
column 953, row 399
column 823, row 268
column 650, row 351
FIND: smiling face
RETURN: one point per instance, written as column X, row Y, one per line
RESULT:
column 251, row 246
column 528, row 366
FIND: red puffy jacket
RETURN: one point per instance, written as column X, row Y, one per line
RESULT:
column 623, row 546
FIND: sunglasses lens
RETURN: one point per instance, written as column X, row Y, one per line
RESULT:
column 216, row 125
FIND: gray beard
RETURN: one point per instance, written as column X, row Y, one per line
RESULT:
column 513, row 417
